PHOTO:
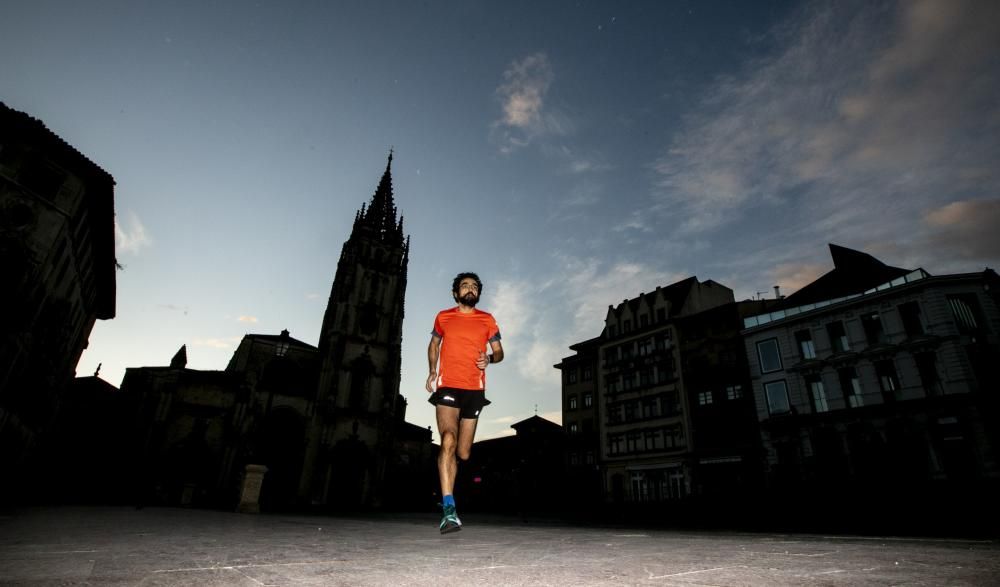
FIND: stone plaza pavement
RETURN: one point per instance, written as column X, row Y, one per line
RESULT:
column 161, row 546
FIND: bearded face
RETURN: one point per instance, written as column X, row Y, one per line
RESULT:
column 468, row 293
column 469, row 298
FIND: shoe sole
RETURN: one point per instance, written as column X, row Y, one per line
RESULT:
column 450, row 528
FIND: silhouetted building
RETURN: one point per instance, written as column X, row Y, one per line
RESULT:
column 359, row 347
column 646, row 406
column 876, row 390
column 517, row 474
column 58, row 262
column 725, row 455
column 197, row 430
column 327, row 422
column 580, row 374
column 82, row 457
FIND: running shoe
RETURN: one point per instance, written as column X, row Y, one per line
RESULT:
column 450, row 521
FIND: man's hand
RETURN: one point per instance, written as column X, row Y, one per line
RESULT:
column 430, row 382
column 483, row 360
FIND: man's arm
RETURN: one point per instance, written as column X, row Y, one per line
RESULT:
column 497, row 351
column 433, row 352
column 496, row 357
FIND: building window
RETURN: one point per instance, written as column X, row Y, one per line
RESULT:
column 574, row 459
column 645, row 347
column 872, row 324
column 818, row 394
column 614, row 414
column 965, row 310
column 913, row 322
column 734, row 392
column 612, row 384
column 777, row 397
column 850, row 385
column 616, row 444
column 661, row 314
column 571, row 375
column 769, row 355
column 627, row 326
column 572, row 402
column 704, row 398
column 804, row 340
column 838, row 337
column 632, row 441
column 588, row 400
column 612, row 331
column 573, row 428
column 670, row 403
column 662, row 341
column 888, row 381
column 643, row 320
column 650, row 408
column 927, row 368
column 673, row 437
column 589, row 457
column 588, row 373
column 629, row 411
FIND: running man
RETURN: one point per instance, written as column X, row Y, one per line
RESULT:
column 457, row 383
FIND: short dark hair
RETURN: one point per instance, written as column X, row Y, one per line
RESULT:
column 463, row 275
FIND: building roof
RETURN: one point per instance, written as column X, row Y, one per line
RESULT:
column 535, row 423
column 281, row 337
column 853, row 272
column 99, row 196
column 92, row 384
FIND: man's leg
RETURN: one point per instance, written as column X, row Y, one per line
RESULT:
column 448, row 428
column 447, row 419
column 466, row 434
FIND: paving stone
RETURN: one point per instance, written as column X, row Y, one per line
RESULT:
column 172, row 547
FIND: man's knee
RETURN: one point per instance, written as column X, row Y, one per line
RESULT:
column 448, row 441
column 464, row 452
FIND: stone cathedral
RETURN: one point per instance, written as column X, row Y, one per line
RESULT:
column 359, row 350
column 327, row 421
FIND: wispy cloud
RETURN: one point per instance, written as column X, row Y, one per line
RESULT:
column 967, row 229
column 131, row 236
column 250, row 319
column 865, row 119
column 522, row 94
column 539, row 331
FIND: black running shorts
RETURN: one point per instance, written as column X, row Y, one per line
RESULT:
column 468, row 401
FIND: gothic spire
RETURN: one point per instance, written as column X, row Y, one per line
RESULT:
column 380, row 215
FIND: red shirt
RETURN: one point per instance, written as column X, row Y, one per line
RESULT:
column 463, row 336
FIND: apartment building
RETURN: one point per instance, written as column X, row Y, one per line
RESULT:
column 877, row 383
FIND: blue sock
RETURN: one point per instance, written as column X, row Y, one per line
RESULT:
column 448, row 500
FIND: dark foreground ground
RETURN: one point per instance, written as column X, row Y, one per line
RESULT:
column 160, row 546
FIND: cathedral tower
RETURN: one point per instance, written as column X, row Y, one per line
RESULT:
column 358, row 401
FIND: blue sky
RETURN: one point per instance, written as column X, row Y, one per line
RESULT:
column 572, row 153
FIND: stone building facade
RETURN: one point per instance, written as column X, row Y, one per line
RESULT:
column 327, row 421
column 58, row 262
column 635, row 399
column 358, row 400
column 877, row 386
